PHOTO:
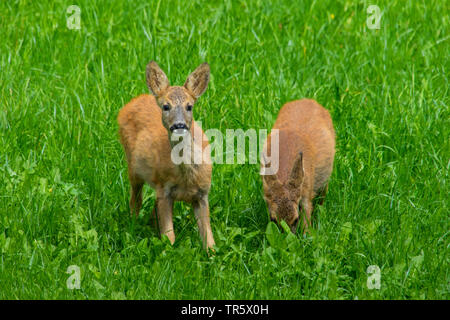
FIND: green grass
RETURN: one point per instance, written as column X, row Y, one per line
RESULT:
column 63, row 182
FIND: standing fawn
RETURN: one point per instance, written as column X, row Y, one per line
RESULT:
column 306, row 153
column 147, row 125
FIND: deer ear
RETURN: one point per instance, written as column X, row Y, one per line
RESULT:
column 273, row 182
column 157, row 80
column 198, row 80
column 270, row 179
column 297, row 173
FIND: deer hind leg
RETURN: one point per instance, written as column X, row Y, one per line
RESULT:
column 154, row 216
column 136, row 195
column 322, row 194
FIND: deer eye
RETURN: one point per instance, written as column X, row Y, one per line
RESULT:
column 166, row 107
column 189, row 107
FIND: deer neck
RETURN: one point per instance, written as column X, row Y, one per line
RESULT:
column 186, row 153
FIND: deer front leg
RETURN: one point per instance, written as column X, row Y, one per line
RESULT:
column 201, row 210
column 164, row 211
column 307, row 210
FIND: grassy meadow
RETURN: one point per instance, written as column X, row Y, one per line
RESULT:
column 64, row 188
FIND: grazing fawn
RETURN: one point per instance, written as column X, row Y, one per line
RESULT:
column 147, row 125
column 306, row 153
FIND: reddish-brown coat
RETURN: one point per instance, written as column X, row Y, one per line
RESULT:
column 306, row 139
column 148, row 150
column 145, row 135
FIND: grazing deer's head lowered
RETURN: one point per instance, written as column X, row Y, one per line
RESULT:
column 306, row 154
column 283, row 199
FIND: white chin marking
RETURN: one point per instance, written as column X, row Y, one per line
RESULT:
column 180, row 132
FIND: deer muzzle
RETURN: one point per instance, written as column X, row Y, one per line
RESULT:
column 179, row 128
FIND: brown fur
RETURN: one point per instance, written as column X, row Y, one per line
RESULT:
column 145, row 136
column 306, row 155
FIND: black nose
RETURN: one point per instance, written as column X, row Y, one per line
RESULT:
column 295, row 222
column 178, row 125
